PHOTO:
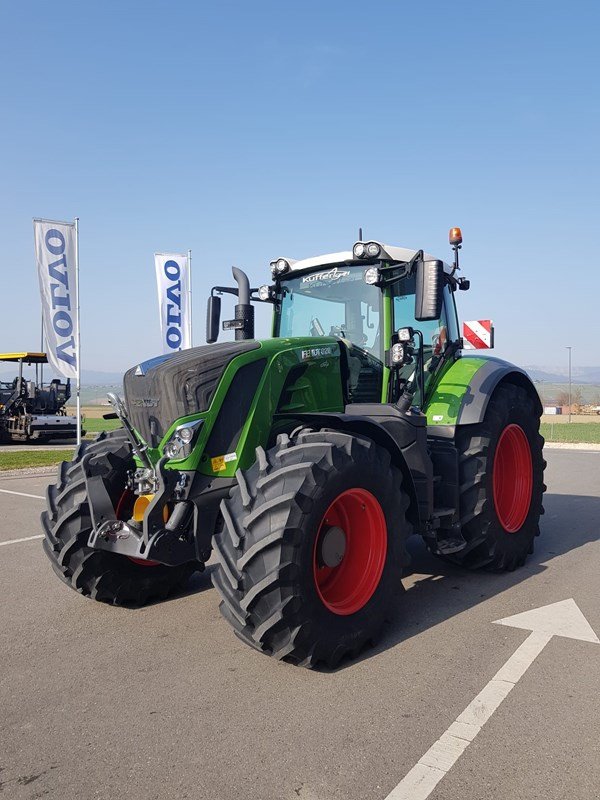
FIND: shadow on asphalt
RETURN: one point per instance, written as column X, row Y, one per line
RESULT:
column 443, row 590
column 199, row 582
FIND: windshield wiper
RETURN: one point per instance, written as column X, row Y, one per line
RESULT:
column 316, row 329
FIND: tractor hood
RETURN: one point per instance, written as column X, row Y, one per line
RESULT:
column 165, row 388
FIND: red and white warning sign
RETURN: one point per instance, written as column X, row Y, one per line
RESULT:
column 478, row 334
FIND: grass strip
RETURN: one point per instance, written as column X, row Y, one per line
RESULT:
column 571, row 433
column 24, row 459
column 95, row 424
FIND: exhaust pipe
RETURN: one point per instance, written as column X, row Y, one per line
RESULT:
column 244, row 310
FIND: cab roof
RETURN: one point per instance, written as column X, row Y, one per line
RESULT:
column 29, row 358
column 389, row 253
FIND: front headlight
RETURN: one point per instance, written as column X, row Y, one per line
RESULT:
column 182, row 440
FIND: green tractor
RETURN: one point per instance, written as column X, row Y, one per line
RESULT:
column 303, row 462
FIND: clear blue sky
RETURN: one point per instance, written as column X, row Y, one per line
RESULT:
column 247, row 131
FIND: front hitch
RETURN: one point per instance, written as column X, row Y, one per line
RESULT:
column 169, row 543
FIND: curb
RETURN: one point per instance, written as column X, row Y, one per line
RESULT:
column 52, row 469
column 571, row 446
column 29, row 472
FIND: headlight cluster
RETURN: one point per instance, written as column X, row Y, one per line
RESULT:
column 366, row 250
column 398, row 353
column 182, row 439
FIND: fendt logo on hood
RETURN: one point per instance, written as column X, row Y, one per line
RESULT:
column 330, row 275
column 145, row 402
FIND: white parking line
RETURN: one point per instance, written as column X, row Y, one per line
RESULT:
column 557, row 619
column 23, row 494
column 26, row 539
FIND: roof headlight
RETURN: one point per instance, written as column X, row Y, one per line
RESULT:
column 372, row 276
column 279, row 266
column 373, row 249
column 359, row 250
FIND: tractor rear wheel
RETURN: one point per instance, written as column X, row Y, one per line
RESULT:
column 311, row 552
column 67, row 525
column 501, row 471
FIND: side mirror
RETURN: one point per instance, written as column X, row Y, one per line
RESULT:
column 429, row 289
column 213, row 317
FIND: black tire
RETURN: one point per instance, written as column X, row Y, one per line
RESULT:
column 489, row 544
column 103, row 576
column 265, row 574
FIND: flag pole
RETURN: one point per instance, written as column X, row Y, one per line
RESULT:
column 190, row 294
column 41, row 351
column 78, row 399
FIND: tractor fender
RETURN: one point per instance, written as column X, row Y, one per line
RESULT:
column 406, row 443
column 462, row 394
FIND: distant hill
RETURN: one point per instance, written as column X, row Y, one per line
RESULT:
column 90, row 377
column 540, row 374
column 554, row 375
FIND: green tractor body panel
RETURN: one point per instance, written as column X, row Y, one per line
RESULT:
column 280, row 376
column 464, row 388
column 445, row 402
column 387, row 336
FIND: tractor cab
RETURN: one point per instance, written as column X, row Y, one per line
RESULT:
column 364, row 297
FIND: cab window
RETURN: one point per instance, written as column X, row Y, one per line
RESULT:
column 437, row 334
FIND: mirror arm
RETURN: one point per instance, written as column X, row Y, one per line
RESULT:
column 224, row 290
column 407, row 269
column 411, row 266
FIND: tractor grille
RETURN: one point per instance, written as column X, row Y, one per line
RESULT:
column 163, row 389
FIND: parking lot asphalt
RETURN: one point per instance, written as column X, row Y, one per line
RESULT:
column 164, row 702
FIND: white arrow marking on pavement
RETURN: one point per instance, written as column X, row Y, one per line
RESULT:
column 557, row 619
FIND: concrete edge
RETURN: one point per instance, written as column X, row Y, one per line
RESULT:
column 571, row 446
column 53, row 468
column 29, row 472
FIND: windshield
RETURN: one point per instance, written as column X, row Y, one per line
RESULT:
column 336, row 301
column 333, row 302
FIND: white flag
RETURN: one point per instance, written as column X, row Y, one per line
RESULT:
column 173, row 283
column 55, row 253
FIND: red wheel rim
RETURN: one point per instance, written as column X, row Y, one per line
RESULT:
column 512, row 478
column 346, row 588
column 123, row 511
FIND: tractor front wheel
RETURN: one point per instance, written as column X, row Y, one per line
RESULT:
column 67, row 525
column 311, row 552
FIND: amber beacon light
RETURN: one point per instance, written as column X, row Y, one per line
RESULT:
column 455, row 236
